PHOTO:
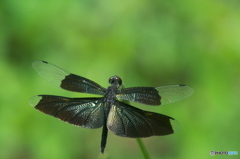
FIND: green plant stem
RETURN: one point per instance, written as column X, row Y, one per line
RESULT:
column 142, row 148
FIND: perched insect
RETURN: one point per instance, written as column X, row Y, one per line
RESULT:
column 108, row 111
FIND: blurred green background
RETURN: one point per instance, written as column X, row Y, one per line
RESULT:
column 146, row 43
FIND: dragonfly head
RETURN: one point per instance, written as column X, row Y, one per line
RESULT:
column 115, row 80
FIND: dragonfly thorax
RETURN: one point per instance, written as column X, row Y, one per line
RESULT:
column 110, row 96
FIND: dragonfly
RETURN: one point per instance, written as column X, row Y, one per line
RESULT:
column 111, row 111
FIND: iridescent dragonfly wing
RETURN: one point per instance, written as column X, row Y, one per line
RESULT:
column 127, row 121
column 145, row 95
column 67, row 80
column 84, row 112
column 155, row 96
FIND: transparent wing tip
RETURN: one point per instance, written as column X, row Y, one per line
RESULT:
column 174, row 93
column 175, row 125
column 34, row 100
column 187, row 90
column 38, row 63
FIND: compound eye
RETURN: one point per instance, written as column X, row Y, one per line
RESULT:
column 119, row 81
column 115, row 79
column 111, row 80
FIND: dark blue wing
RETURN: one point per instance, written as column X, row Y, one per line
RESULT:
column 84, row 112
column 66, row 80
column 155, row 96
column 127, row 121
column 145, row 95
